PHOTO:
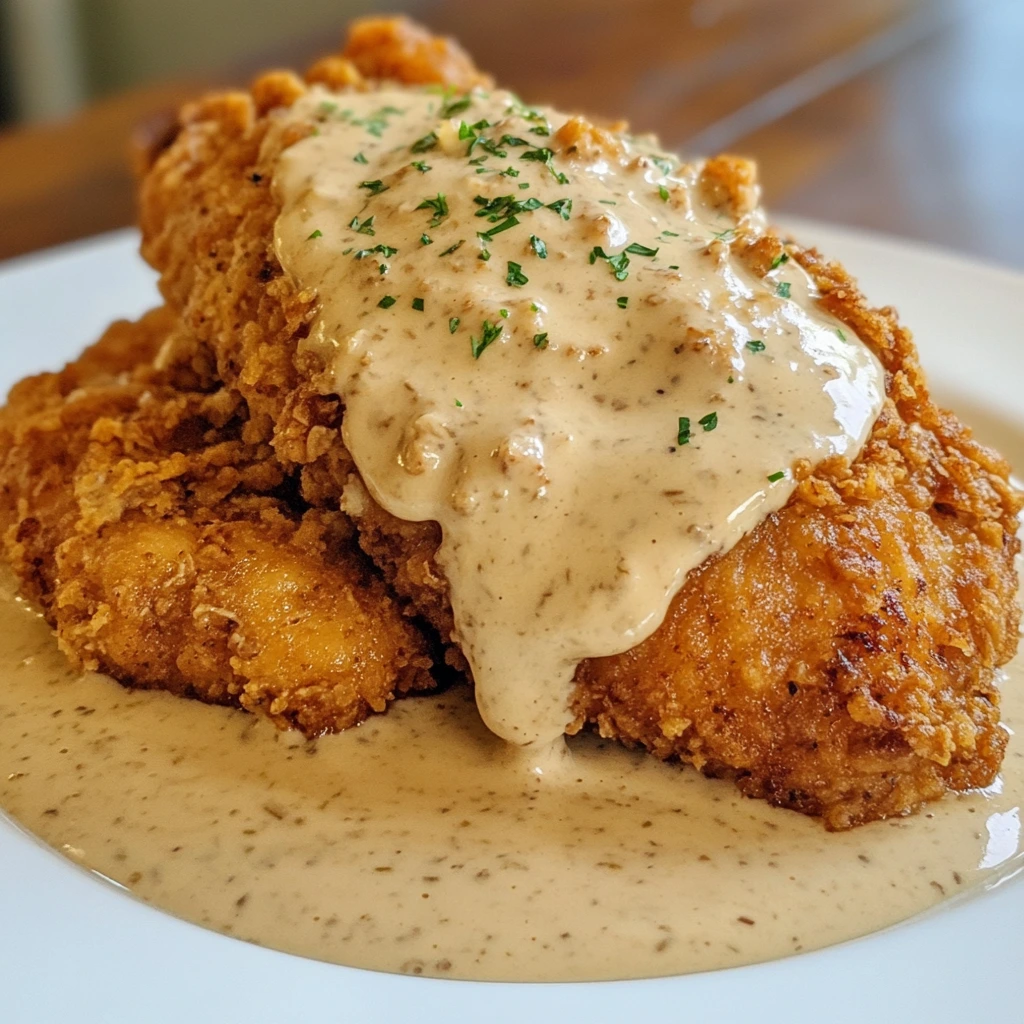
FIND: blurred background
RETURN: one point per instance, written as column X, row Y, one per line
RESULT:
column 905, row 116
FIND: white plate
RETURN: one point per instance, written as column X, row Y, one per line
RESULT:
column 75, row 948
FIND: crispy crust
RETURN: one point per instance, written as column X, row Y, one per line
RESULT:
column 841, row 660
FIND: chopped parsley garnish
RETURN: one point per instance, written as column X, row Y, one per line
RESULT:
column 485, row 255
column 683, row 434
column 366, row 228
column 420, row 166
column 755, row 346
column 539, row 246
column 780, row 259
column 783, row 290
column 775, row 477
column 670, row 234
column 504, row 313
column 540, row 340
column 428, row 142
column 618, row 263
column 513, row 141
column 455, row 107
column 842, row 336
column 375, row 187
column 384, row 250
column 360, row 159
column 510, row 222
column 663, row 164
column 453, row 325
column 608, row 202
column 663, row 192
column 515, row 276
column 641, row 250
column 452, row 248
column 725, row 236
column 417, row 304
column 425, row 239
column 387, row 302
column 545, row 156
column 458, row 404
column 383, row 268
column 440, row 207
column 709, row 422
column 504, row 206
column 490, row 332
column 316, row 234
column 622, row 301
column 563, row 207
column 511, row 172
column 541, row 129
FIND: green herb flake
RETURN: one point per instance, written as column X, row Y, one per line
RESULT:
column 375, row 187
column 670, row 234
column 509, row 222
column 366, row 228
column 458, row 404
column 515, row 276
column 484, row 256
column 452, row 248
column 489, row 333
column 776, row 477
column 539, row 246
column 709, row 422
column 755, row 345
column 563, row 207
column 841, row 335
column 420, row 166
column 608, row 202
column 382, row 268
column 683, row 433
column 316, row 234
column 622, row 301
column 360, row 159
column 440, row 207
column 640, row 250
column 425, row 144
column 455, row 107
column 417, row 304
column 425, row 239
column 780, row 259
column 453, row 325
column 387, row 302
column 663, row 192
column 504, row 313
column 540, row 340
column 783, row 290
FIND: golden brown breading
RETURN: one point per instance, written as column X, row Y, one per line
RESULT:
column 840, row 660
column 155, row 531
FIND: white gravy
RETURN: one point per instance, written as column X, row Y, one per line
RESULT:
column 412, row 844
column 591, row 393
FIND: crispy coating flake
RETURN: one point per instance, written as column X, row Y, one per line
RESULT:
column 841, row 660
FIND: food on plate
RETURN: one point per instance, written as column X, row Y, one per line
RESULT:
column 447, row 386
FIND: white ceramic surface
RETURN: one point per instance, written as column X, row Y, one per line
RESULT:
column 74, row 948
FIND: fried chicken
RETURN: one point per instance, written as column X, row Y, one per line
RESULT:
column 187, row 519
column 166, row 547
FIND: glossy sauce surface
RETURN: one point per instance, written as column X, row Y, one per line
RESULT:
column 546, row 341
column 420, row 843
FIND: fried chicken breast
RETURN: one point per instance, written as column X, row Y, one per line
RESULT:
column 188, row 518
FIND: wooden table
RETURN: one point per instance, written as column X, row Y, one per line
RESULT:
column 905, row 116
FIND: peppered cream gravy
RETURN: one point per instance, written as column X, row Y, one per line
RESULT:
column 422, row 843
column 545, row 342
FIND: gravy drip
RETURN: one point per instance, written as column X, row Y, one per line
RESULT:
column 546, row 343
column 416, row 843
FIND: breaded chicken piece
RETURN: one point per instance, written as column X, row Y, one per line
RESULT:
column 157, row 537
column 840, row 660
